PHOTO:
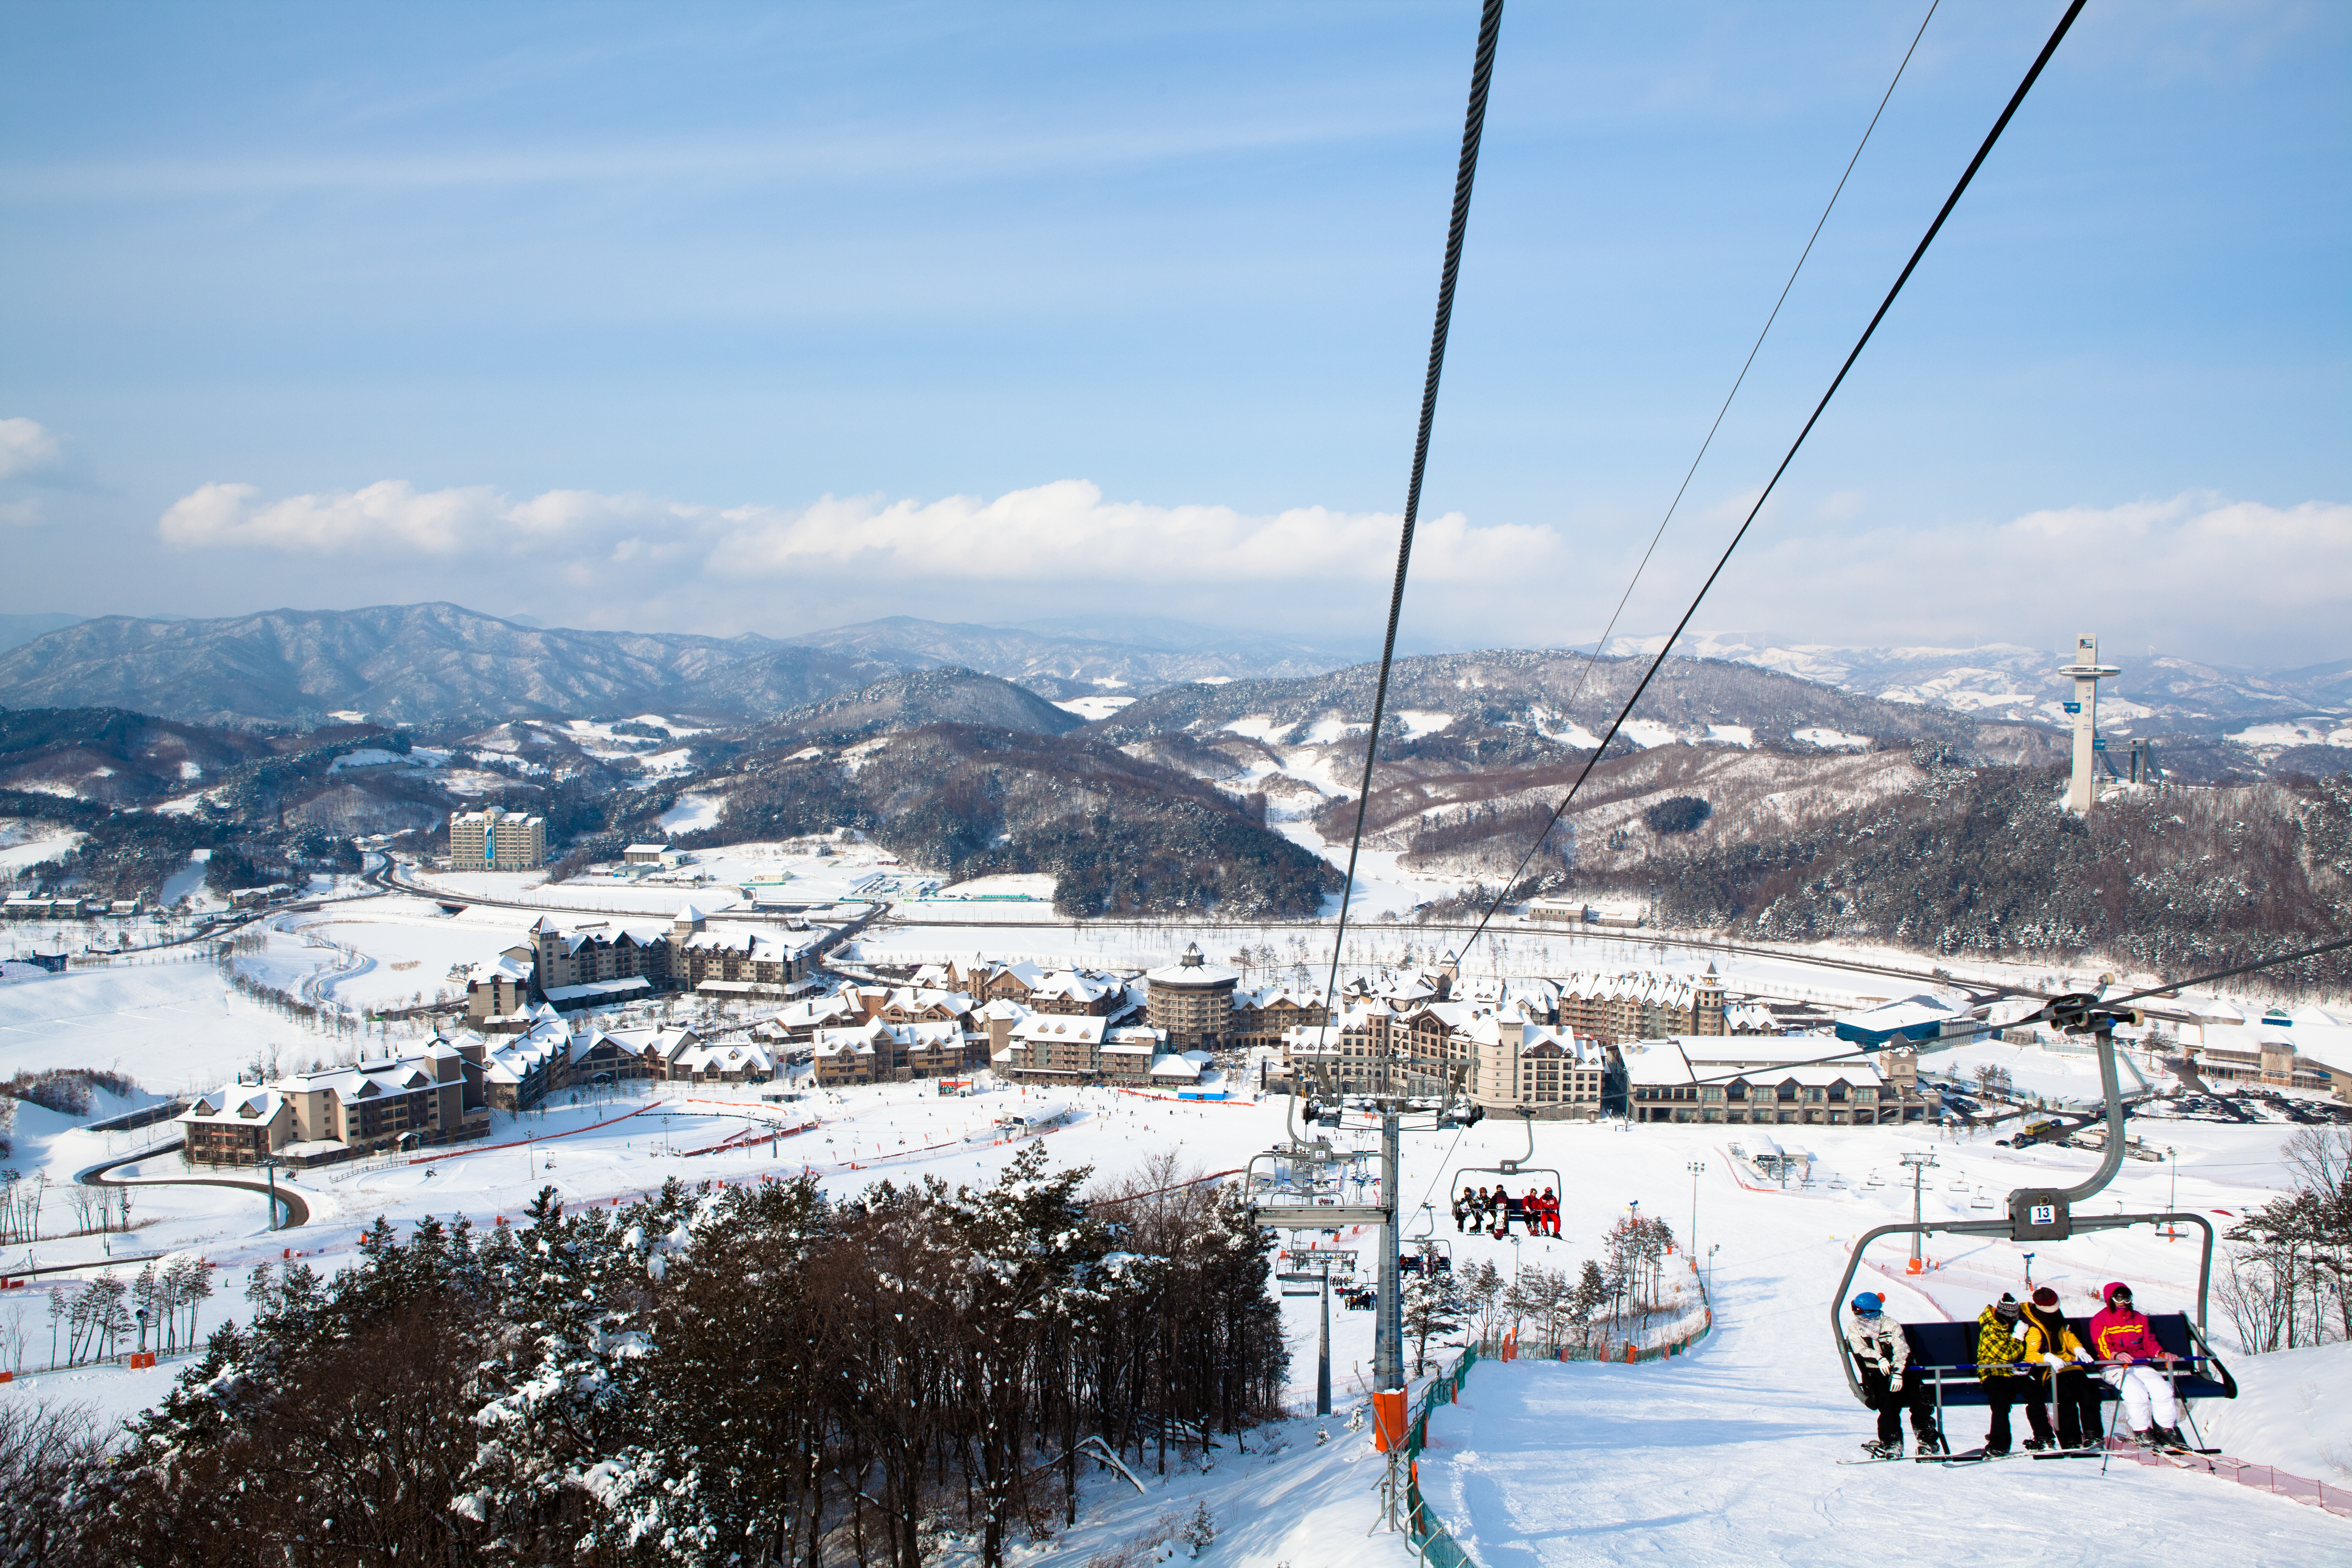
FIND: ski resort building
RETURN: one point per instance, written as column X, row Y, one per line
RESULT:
column 1641, row 1006
column 1768, row 1082
column 497, row 839
column 435, row 1097
column 1549, row 1072
column 1191, row 1000
column 1261, row 1018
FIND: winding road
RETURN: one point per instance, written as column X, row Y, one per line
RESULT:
column 296, row 1209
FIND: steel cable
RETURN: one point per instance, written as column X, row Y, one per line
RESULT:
column 1482, row 70
column 1950, row 201
column 1601, row 648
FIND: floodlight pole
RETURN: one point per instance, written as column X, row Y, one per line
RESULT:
column 1695, row 1168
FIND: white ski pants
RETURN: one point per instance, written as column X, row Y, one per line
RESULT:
column 2146, row 1395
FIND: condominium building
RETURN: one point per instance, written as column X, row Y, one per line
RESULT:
column 497, row 839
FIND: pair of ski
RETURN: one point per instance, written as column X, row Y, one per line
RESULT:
column 1973, row 1457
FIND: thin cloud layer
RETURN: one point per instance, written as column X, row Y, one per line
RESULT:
column 2197, row 573
column 1060, row 532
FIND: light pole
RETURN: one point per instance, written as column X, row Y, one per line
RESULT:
column 1696, row 1167
column 2172, row 1204
column 1920, row 1164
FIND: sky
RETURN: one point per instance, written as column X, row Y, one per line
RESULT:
column 757, row 319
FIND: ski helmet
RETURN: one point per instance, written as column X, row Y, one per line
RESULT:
column 1869, row 1303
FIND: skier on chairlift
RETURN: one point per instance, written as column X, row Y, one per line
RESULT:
column 1884, row 1357
column 2122, row 1337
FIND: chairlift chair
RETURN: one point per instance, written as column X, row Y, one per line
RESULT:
column 1426, row 1255
column 1518, row 1170
column 2052, row 1215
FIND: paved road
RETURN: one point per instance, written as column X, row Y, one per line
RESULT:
column 297, row 1211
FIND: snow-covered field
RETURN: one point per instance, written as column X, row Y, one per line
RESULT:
column 171, row 1022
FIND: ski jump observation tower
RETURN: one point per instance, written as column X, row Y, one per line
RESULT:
column 2082, row 791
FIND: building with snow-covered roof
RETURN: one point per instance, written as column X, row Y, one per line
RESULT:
column 432, row 1097
column 880, row 1052
column 1261, row 1018
column 1192, row 1001
column 237, row 1125
column 1666, row 1082
column 501, row 988
column 497, row 839
column 1067, row 991
column 1511, row 1064
column 1641, row 1005
column 1058, row 1048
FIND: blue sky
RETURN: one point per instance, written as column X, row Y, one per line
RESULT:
column 766, row 318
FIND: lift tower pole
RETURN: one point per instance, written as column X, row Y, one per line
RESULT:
column 1388, row 1334
column 1920, row 1164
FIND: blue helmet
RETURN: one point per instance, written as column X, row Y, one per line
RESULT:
column 1869, row 1303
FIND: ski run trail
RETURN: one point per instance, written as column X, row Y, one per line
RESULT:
column 1726, row 1455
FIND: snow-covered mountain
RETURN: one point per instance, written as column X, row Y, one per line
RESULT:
column 2156, row 694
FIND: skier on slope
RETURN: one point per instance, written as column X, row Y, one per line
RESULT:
column 2001, row 1367
column 2121, row 1337
column 1884, row 1357
column 2052, row 1345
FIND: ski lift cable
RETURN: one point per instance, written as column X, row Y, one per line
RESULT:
column 1482, row 70
column 1950, row 201
column 1602, row 647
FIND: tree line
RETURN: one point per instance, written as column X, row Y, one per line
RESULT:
column 749, row 1374
column 2286, row 1280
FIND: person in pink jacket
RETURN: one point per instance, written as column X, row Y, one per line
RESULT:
column 2121, row 1338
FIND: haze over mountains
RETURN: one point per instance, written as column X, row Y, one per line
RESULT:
column 438, row 664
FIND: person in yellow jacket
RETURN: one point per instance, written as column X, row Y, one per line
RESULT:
column 2058, row 1355
column 2003, row 1367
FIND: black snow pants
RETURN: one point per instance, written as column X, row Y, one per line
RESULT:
column 2000, row 1393
column 2079, row 1423
column 1890, row 1403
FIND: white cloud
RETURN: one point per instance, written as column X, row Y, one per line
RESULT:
column 21, row 514
column 1066, row 530
column 26, row 448
column 2197, row 573
column 2196, row 570
column 390, row 513
column 1063, row 531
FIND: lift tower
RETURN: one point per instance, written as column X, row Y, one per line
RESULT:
column 2083, row 789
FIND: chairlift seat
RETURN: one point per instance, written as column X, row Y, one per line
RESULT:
column 1946, row 1354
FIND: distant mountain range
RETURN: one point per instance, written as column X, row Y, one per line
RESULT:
column 438, row 665
column 2156, row 694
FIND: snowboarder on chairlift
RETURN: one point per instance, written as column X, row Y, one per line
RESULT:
column 2122, row 1337
column 1550, row 1221
column 1883, row 1356
column 2051, row 1344
column 2003, row 1367
column 1464, row 1207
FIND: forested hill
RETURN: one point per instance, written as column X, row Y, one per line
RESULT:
column 1985, row 860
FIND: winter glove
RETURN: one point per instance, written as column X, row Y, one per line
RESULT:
column 1895, row 1384
column 2056, row 1363
column 2018, row 1333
